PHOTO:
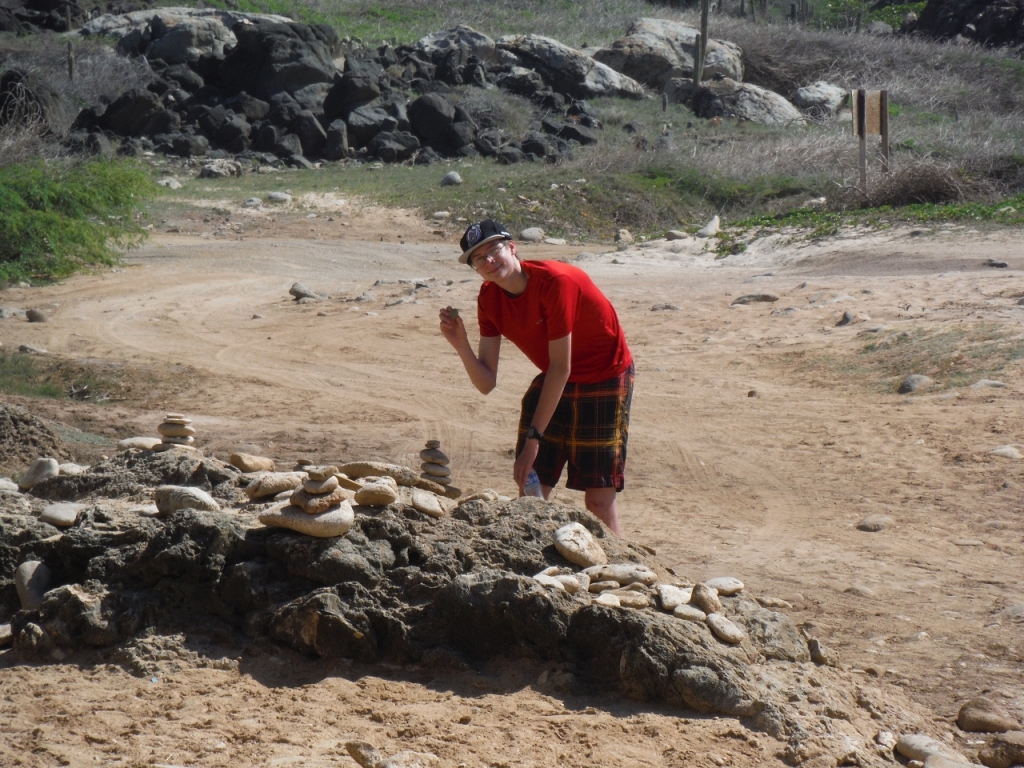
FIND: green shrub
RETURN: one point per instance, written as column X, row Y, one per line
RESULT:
column 56, row 218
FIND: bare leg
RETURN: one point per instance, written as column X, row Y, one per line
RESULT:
column 601, row 502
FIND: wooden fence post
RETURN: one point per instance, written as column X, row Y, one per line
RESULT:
column 883, row 122
column 861, row 116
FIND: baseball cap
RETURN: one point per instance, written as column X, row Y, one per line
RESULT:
column 478, row 234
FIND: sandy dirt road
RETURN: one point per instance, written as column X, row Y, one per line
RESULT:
column 756, row 446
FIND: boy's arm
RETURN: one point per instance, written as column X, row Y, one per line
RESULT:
column 482, row 368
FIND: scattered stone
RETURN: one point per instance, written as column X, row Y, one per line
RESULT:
column 146, row 510
column 279, row 197
column 555, row 241
column 299, row 291
column 664, row 307
column 986, row 716
column 549, row 581
column 630, row 599
column 70, row 469
column 377, row 494
column 624, row 236
column 820, row 99
column 996, row 263
column 577, row 545
column 335, row 521
column 624, row 574
column 273, row 483
column 676, row 234
column 441, row 215
column 320, row 472
column 607, row 599
column 919, row 746
column 249, row 463
column 315, row 503
column 359, row 469
column 41, row 469
column 671, row 597
column 1004, row 750
column 171, row 498
column 8, row 486
column 364, row 754
column 725, row 585
column 847, row 318
column 175, row 430
column 451, row 179
column 914, row 382
column 36, row 316
column 138, row 443
column 689, row 613
column 169, row 183
column 820, row 654
column 427, row 503
column 6, row 636
column 752, row 298
column 706, row 598
column 532, row 235
column 1006, row 452
column 62, row 514
column 30, row 349
column 981, row 383
column 724, row 629
column 252, row 202
column 874, row 523
column 710, row 229
column 31, row 580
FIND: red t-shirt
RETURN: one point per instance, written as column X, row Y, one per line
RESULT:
column 559, row 299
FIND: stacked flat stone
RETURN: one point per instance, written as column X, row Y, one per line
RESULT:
column 435, row 464
column 319, row 491
column 175, row 432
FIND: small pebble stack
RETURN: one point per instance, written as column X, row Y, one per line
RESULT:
column 176, row 432
column 435, row 464
column 319, row 491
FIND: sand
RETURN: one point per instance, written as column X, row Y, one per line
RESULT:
column 756, row 445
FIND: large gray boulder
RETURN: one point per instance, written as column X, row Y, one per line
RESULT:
column 463, row 40
column 274, row 58
column 727, row 98
column 654, row 51
column 820, row 99
column 568, row 70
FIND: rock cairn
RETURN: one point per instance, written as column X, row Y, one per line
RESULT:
column 321, row 506
column 175, row 431
column 628, row 585
column 435, row 467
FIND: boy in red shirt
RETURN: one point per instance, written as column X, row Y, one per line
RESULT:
column 576, row 411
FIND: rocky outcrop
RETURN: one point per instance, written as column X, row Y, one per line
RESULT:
column 727, row 98
column 820, row 99
column 991, row 22
column 654, row 50
column 568, row 70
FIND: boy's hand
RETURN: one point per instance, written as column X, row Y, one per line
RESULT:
column 452, row 327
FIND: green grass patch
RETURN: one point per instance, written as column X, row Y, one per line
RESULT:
column 49, row 377
column 57, row 218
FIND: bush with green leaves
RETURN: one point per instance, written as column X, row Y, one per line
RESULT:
column 59, row 217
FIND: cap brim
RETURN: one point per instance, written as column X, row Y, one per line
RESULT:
column 464, row 258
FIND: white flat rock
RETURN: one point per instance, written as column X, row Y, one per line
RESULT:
column 571, row 583
column 70, row 469
column 624, row 573
column 171, row 498
column 38, row 471
column 336, row 521
column 670, row 596
column 377, row 494
column 7, row 484
column 272, row 483
column 550, row 581
column 146, row 510
column 6, row 635
column 608, row 599
column 1006, row 452
column 578, row 545
column 427, row 503
column 725, row 585
column 31, row 580
column 689, row 613
column 61, row 514
column 920, row 746
column 724, row 629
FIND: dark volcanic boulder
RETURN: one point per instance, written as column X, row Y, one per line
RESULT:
column 131, row 113
column 252, row 108
column 336, row 146
column 270, row 58
column 393, row 146
column 366, row 122
column 311, row 134
column 993, row 22
column 27, row 98
column 430, row 116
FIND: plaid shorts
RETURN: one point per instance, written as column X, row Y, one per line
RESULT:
column 588, row 432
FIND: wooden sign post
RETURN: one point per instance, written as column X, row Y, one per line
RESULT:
column 871, row 118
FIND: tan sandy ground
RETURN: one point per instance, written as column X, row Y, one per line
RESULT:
column 751, row 454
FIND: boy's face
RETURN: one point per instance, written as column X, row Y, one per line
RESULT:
column 494, row 260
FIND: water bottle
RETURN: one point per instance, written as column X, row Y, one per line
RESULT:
column 532, row 487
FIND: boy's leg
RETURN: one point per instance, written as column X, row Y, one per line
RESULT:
column 601, row 503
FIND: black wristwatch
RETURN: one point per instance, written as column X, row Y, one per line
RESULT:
column 532, row 433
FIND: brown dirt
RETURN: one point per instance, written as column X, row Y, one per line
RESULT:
column 758, row 441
